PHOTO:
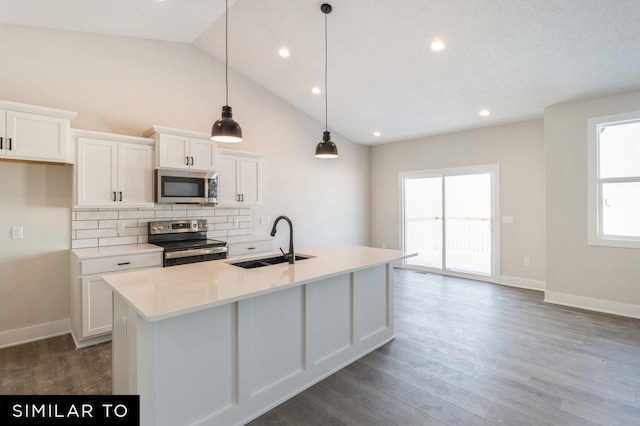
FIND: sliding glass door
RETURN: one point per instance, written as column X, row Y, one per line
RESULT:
column 448, row 219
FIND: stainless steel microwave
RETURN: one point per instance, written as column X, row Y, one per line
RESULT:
column 186, row 187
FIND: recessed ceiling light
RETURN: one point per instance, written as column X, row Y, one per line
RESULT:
column 377, row 134
column 284, row 52
column 484, row 113
column 438, row 45
column 316, row 90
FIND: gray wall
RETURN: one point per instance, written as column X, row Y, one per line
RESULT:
column 602, row 278
column 517, row 148
column 122, row 85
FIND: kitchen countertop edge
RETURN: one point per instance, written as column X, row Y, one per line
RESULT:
column 123, row 283
column 118, row 250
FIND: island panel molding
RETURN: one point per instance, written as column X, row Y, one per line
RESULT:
column 226, row 347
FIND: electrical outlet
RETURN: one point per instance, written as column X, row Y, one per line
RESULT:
column 121, row 227
column 507, row 219
column 17, row 232
column 527, row 262
column 264, row 220
column 236, row 222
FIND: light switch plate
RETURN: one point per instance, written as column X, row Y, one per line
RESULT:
column 17, row 232
column 507, row 219
column 264, row 220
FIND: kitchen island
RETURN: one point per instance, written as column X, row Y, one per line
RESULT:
column 213, row 343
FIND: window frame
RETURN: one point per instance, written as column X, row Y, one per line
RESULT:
column 595, row 235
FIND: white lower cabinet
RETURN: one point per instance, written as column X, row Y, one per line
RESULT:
column 249, row 247
column 91, row 297
column 97, row 306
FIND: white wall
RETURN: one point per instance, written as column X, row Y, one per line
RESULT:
column 517, row 148
column 124, row 86
column 600, row 278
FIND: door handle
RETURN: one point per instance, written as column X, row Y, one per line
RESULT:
column 242, row 198
column 120, row 195
column 10, row 148
column 1, row 139
column 187, row 163
column 192, row 161
column 114, row 196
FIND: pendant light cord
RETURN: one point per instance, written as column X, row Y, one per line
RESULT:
column 226, row 48
column 326, row 95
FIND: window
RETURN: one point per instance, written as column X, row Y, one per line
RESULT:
column 614, row 180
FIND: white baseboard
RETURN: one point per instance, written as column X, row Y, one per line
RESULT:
column 91, row 341
column 598, row 305
column 33, row 333
column 523, row 283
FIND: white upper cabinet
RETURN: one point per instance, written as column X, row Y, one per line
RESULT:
column 113, row 170
column 183, row 149
column 238, row 178
column 34, row 133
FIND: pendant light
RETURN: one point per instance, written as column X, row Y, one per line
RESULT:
column 226, row 129
column 326, row 148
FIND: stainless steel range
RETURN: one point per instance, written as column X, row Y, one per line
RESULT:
column 185, row 241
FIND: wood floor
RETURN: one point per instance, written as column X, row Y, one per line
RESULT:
column 465, row 352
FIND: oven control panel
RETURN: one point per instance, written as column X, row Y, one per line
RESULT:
column 177, row 226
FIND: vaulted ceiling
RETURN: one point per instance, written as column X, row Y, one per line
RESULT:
column 510, row 57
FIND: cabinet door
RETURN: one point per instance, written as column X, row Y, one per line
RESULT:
column 96, row 173
column 173, row 151
column 228, row 179
column 203, row 154
column 135, row 175
column 250, row 181
column 36, row 137
column 97, row 305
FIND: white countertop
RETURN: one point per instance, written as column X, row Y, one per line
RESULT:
column 162, row 293
column 87, row 253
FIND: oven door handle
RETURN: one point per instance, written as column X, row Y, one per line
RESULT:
column 194, row 252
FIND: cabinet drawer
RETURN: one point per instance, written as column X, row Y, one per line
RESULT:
column 120, row 263
column 248, row 248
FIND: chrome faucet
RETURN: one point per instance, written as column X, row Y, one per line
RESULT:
column 291, row 254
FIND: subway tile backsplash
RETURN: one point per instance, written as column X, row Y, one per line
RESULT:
column 99, row 227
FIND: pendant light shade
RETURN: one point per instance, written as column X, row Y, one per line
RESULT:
column 326, row 148
column 226, row 129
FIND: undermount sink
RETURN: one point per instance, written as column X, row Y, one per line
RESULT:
column 265, row 261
